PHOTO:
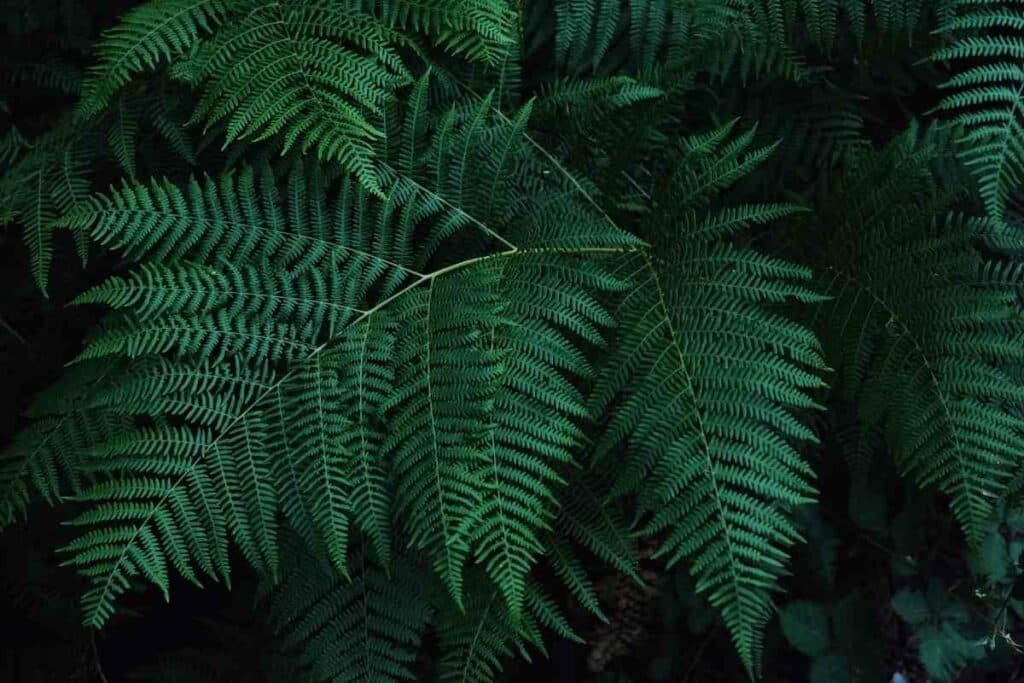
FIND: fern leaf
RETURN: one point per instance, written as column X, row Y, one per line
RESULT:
column 160, row 510
column 922, row 325
column 708, row 427
column 535, row 430
column 988, row 96
column 44, row 184
column 322, row 441
column 367, row 629
column 49, row 455
column 444, row 388
column 121, row 136
column 154, row 31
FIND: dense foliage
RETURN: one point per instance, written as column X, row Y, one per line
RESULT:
column 476, row 339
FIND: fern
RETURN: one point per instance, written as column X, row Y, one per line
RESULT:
column 464, row 324
column 43, row 184
column 709, row 432
column 988, row 84
column 317, row 75
column 923, row 330
column 478, row 637
column 146, row 35
column 48, row 456
column 156, row 109
column 476, row 416
column 319, row 93
column 287, row 292
column 368, row 629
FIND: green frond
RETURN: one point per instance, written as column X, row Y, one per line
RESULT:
column 321, row 440
column 158, row 30
column 367, row 629
column 451, row 321
column 573, row 574
column 160, row 507
column 702, row 387
column 446, row 379
column 49, row 455
column 537, row 408
column 51, row 74
column 268, row 289
column 46, row 182
column 130, row 118
column 121, row 135
column 302, row 323
column 585, row 103
column 987, row 99
column 169, row 497
column 314, row 73
column 476, row 638
column 591, row 35
column 217, row 336
column 585, row 31
column 165, row 114
column 748, row 37
column 923, row 328
column 205, row 393
column 586, row 517
column 477, row 30
column 334, row 470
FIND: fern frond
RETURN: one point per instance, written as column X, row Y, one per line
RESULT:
column 51, row 74
column 477, row 638
column 279, row 71
column 478, row 30
column 702, row 385
column 161, row 509
column 121, row 135
column 148, row 34
column 987, row 42
column 445, row 384
column 537, row 409
column 573, row 574
column 204, row 393
column 367, row 629
column 586, row 518
column 41, row 186
column 49, row 455
column 403, row 361
column 923, row 327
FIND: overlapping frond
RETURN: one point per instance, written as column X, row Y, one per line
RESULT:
column 726, row 39
column 479, row 636
column 447, row 376
column 366, row 629
column 134, row 114
column 48, row 455
column 924, row 331
column 275, row 301
column 397, row 354
column 301, row 352
column 159, row 508
column 702, row 387
column 328, row 414
column 155, row 31
column 537, row 409
column 987, row 99
column 660, row 31
column 314, row 75
column 42, row 185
